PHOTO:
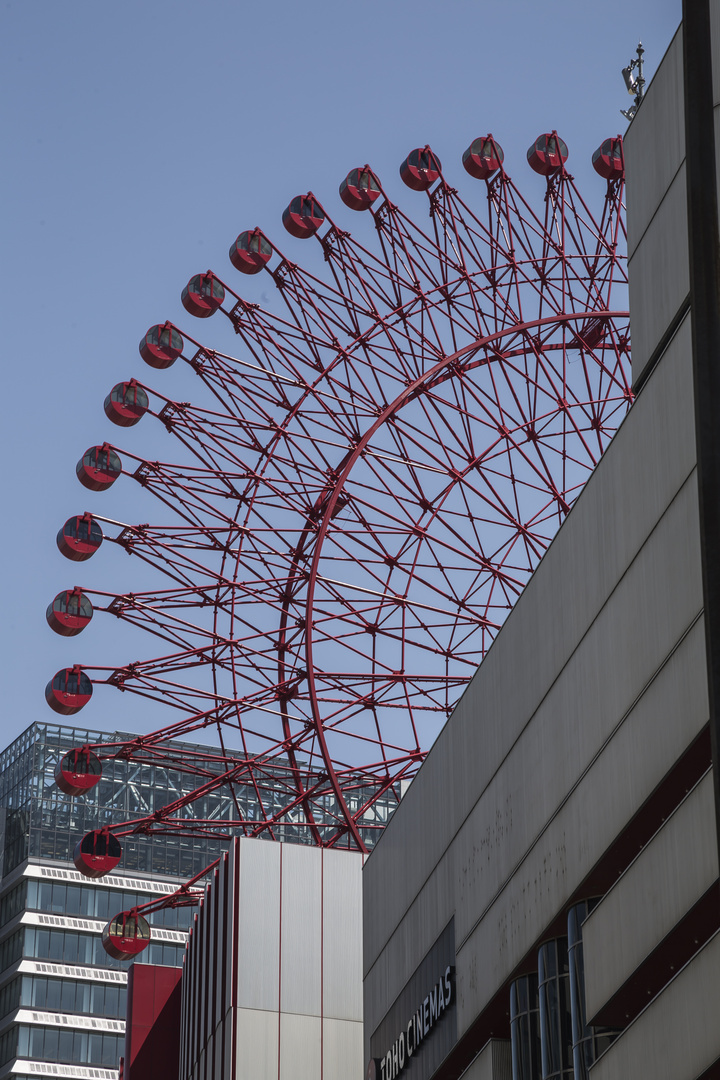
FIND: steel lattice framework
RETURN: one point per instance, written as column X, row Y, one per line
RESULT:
column 363, row 491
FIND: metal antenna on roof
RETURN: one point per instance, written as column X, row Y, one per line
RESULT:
column 635, row 83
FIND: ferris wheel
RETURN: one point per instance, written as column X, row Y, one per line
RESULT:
column 361, row 489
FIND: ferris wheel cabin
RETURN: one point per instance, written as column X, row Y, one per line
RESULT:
column 78, row 771
column 420, row 169
column 97, row 853
column 161, row 346
column 68, row 691
column 251, row 252
column 609, row 160
column 79, row 538
column 98, row 468
column 483, row 158
column 126, row 935
column 547, row 154
column 359, row 189
column 203, row 295
column 303, row 217
column 126, row 404
column 69, row 613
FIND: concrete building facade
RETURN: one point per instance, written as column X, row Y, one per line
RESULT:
column 556, row 854
column 272, row 980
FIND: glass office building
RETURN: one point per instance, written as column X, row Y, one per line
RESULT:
column 40, row 822
column 62, row 997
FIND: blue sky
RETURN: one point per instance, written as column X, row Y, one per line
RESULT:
column 141, row 138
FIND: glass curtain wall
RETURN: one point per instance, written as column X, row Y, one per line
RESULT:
column 42, row 822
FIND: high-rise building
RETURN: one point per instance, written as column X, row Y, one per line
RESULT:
column 62, row 997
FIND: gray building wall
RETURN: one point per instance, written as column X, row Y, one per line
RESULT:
column 587, row 705
column 272, row 980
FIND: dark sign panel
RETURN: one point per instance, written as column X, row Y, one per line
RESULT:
column 420, row 1028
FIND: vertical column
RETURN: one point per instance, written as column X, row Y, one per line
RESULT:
column 555, row 1019
column 525, row 1028
column 224, row 938
column 193, row 996
column 588, row 1042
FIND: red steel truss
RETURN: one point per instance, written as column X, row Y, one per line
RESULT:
column 362, row 491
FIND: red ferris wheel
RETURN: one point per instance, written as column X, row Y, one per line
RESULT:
column 361, row 490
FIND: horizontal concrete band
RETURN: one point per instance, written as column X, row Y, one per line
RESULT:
column 677, row 1037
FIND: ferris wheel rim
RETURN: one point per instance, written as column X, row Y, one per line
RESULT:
column 464, row 273
column 330, row 503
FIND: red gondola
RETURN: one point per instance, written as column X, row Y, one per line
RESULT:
column 78, row 771
column 203, row 295
column 126, row 935
column 69, row 613
column 547, row 154
column 126, row 403
column 161, row 346
column 250, row 252
column 68, row 691
column 609, row 160
column 97, row 853
column 483, row 157
column 98, row 468
column 420, row 169
column 79, row 538
column 359, row 189
column 304, row 216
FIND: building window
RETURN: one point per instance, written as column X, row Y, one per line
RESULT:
column 54, row 1044
column 13, row 903
column 69, row 947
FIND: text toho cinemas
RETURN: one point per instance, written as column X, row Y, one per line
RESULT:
column 417, row 1028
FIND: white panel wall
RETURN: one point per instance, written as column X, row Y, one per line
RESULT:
column 342, row 930
column 342, row 1046
column 657, row 223
column 258, row 1044
column 288, row 921
column 258, row 949
column 300, row 1047
column 221, row 1001
column 301, row 933
column 656, row 298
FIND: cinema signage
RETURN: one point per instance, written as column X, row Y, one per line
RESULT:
column 418, row 1027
